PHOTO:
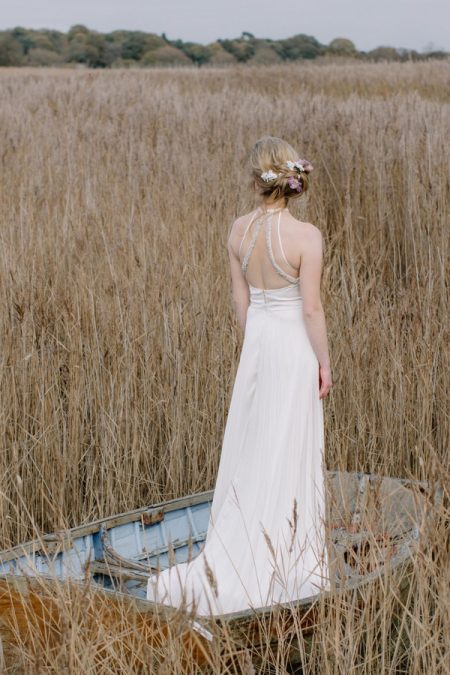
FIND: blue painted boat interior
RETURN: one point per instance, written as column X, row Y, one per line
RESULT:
column 138, row 543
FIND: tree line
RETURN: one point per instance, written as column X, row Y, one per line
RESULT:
column 122, row 48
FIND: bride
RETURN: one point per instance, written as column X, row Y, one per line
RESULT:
column 265, row 541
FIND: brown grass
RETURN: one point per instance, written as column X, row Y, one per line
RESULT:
column 119, row 344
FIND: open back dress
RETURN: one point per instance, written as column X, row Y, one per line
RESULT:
column 265, row 542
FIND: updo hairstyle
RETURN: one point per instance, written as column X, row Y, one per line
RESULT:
column 270, row 153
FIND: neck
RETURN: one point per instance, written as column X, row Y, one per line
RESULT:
column 279, row 204
column 269, row 207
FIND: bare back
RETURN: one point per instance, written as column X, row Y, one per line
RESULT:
column 269, row 248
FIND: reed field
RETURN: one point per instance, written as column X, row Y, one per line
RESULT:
column 119, row 343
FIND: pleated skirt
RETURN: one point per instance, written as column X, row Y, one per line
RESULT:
column 265, row 542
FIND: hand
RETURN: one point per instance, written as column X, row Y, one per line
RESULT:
column 325, row 382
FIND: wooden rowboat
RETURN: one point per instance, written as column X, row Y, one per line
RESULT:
column 374, row 521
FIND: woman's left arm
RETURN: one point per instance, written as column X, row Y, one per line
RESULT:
column 239, row 287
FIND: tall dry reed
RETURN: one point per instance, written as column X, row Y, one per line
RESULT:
column 119, row 345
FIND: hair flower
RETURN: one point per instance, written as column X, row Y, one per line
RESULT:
column 301, row 164
column 295, row 184
column 269, row 175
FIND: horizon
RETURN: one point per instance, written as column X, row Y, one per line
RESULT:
column 199, row 20
column 429, row 46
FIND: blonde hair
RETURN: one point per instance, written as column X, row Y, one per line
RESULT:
column 272, row 153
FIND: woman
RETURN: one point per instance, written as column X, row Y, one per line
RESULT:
column 265, row 541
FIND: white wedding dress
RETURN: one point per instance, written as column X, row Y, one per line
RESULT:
column 256, row 553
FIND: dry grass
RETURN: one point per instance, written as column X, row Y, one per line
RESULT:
column 119, row 345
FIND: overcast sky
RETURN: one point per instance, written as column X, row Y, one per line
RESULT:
column 397, row 23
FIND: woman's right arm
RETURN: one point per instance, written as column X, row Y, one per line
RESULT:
column 314, row 316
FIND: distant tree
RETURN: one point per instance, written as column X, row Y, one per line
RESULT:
column 77, row 28
column 342, row 47
column 242, row 50
column 197, row 53
column 277, row 47
column 437, row 55
column 87, row 47
column 301, row 47
column 111, row 52
column 135, row 45
column 264, row 54
column 166, row 56
column 218, row 55
column 81, row 51
column 43, row 57
column 384, row 54
column 40, row 41
column 150, row 58
column 407, row 54
column 58, row 40
column 247, row 35
column 433, row 51
column 116, row 36
column 123, row 46
column 176, row 43
column 11, row 53
column 24, row 37
column 154, row 41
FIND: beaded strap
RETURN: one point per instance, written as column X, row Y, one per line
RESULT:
column 279, row 269
column 251, row 246
column 268, row 233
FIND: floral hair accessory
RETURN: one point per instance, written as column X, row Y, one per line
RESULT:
column 301, row 164
column 295, row 184
column 269, row 175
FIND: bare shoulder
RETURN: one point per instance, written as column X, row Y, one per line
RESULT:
column 303, row 234
column 303, row 227
column 312, row 234
column 238, row 228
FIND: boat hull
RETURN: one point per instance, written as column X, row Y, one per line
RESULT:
column 373, row 525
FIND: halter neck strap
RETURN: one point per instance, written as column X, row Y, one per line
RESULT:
column 268, row 233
